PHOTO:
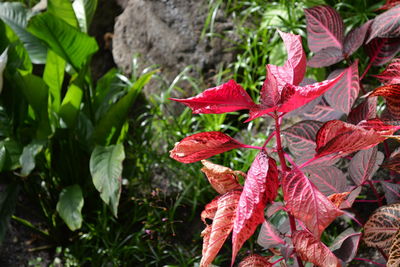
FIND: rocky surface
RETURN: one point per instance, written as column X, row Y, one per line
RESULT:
column 168, row 33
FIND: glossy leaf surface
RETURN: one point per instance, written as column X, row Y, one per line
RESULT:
column 202, row 146
column 382, row 50
column 391, row 75
column 386, row 25
column 269, row 236
column 311, row 249
column 391, row 93
column 321, row 111
column 255, row 260
column 227, row 97
column 364, row 165
column 364, row 111
column 328, row 179
column 324, row 28
column 381, row 227
column 307, row 203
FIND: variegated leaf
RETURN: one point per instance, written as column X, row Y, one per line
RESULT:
column 328, row 179
column 391, row 93
column 222, row 179
column 269, row 236
column 255, row 260
column 386, row 25
column 364, row 111
column 382, row 50
column 381, row 227
column 311, row 249
column 345, row 245
column 391, row 75
column 392, row 192
column 394, row 253
column 364, row 165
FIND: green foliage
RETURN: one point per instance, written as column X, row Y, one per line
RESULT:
column 70, row 205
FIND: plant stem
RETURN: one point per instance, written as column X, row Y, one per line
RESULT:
column 375, row 193
column 269, row 139
column 253, row 147
column 284, row 169
column 366, row 69
column 370, row 261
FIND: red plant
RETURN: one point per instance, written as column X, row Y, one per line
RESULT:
column 315, row 191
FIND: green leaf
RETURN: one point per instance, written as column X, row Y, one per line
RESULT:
column 109, row 127
column 63, row 10
column 27, row 158
column 13, row 152
column 69, row 206
column 66, row 41
column 71, row 105
column 3, row 63
column 35, row 91
column 84, row 10
column 8, row 199
column 3, row 156
column 106, row 170
column 54, row 76
column 15, row 16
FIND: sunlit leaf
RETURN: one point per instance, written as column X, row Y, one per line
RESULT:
column 221, row 178
column 391, row 75
column 364, row 165
column 63, row 10
column 269, row 236
column 391, row 93
column 386, row 25
column 3, row 63
column 328, row 179
column 255, row 260
column 394, row 252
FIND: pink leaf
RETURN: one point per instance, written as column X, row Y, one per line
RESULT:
column 382, row 50
column 227, row 97
column 326, row 57
column 221, row 227
column 386, row 25
column 303, row 95
column 364, row 111
column 221, row 178
column 344, row 138
column 269, row 236
column 324, row 28
column 307, row 203
column 364, row 165
column 345, row 245
column 255, row 261
column 344, row 92
column 311, row 249
column 391, row 75
column 203, row 145
column 250, row 213
column 328, row 179
column 270, row 94
column 295, row 67
column 209, row 210
column 392, row 192
column 301, row 139
column 355, row 38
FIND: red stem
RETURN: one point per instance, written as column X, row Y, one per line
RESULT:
column 278, row 260
column 375, row 193
column 268, row 139
column 284, row 169
column 383, row 254
column 253, row 147
column 366, row 69
column 370, row 261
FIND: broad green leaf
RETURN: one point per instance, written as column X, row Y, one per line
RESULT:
column 27, row 158
column 69, row 206
column 63, row 10
column 109, row 127
column 18, row 58
column 8, row 199
column 35, row 91
column 3, row 63
column 84, row 11
column 13, row 151
column 71, row 104
column 3, row 156
column 54, row 76
column 66, row 41
column 106, row 170
column 103, row 88
column 15, row 16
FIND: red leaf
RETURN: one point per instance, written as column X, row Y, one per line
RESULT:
column 391, row 93
column 389, row 4
column 355, row 38
column 328, row 179
column 255, row 261
column 301, row 139
column 221, row 178
column 343, row 93
column 345, row 245
column 326, row 57
column 209, row 210
column 344, row 138
column 295, row 67
column 382, row 50
column 203, row 145
column 262, row 174
column 393, row 163
column 270, row 95
column 364, row 165
column 303, row 95
column 338, row 198
column 379, row 126
column 221, row 227
column 391, row 75
column 364, row 111
column 386, row 25
column 321, row 111
column 307, row 203
column 311, row 249
column 227, row 97
column 324, row 28
column 269, row 236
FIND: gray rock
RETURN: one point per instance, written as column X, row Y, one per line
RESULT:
column 168, row 33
